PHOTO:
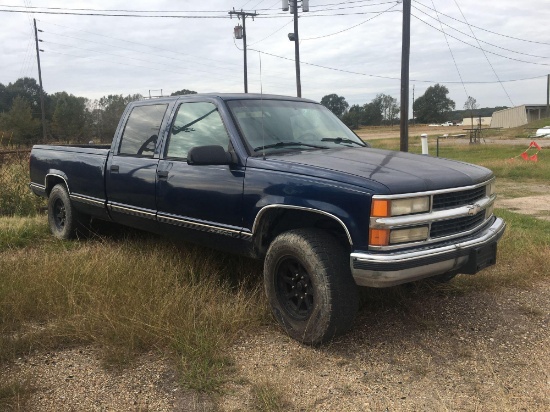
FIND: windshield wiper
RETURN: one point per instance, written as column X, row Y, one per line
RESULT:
column 287, row 144
column 339, row 140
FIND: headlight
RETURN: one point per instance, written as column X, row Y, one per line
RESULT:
column 409, row 235
column 398, row 207
column 409, row 206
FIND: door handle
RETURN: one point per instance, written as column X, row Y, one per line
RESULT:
column 162, row 173
column 114, row 168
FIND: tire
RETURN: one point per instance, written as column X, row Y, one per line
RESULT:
column 64, row 220
column 309, row 286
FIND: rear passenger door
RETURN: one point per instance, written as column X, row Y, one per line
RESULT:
column 131, row 171
column 206, row 198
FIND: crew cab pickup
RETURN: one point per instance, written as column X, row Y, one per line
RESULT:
column 280, row 179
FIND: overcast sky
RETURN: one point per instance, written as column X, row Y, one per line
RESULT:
column 93, row 56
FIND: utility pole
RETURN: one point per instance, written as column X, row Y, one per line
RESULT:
column 414, row 120
column 40, row 80
column 548, row 96
column 405, row 54
column 240, row 33
column 296, row 38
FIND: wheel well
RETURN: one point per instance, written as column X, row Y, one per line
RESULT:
column 278, row 220
column 53, row 180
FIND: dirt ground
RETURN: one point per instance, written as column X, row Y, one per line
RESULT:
column 428, row 351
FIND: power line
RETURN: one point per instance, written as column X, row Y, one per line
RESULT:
column 484, row 53
column 131, row 58
column 482, row 41
column 486, row 30
column 398, row 78
column 49, row 50
column 479, row 47
column 114, row 14
column 132, row 42
column 352, row 27
column 451, row 51
column 276, row 31
column 132, row 50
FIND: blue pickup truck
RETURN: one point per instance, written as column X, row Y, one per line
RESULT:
column 280, row 179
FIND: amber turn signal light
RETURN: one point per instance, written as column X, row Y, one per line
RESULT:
column 380, row 208
column 379, row 237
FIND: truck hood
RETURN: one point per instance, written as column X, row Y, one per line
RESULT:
column 371, row 168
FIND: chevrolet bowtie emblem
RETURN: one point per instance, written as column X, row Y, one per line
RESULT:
column 474, row 209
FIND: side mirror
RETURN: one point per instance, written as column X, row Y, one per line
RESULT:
column 208, row 155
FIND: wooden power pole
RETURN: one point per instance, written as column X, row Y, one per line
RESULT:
column 40, row 82
column 244, row 15
column 405, row 54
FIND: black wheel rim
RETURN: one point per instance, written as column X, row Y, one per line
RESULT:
column 59, row 214
column 294, row 288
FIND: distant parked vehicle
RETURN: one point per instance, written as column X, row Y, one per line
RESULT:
column 543, row 132
column 447, row 124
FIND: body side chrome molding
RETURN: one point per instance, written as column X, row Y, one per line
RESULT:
column 133, row 211
column 88, row 199
column 184, row 222
column 307, row 209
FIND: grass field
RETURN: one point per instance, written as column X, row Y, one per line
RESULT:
column 128, row 293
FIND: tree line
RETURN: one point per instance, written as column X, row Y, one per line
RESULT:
column 69, row 118
column 434, row 106
column 74, row 119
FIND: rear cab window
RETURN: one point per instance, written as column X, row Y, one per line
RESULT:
column 141, row 132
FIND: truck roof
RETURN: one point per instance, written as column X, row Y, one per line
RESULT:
column 235, row 96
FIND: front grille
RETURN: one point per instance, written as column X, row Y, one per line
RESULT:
column 456, row 199
column 454, row 226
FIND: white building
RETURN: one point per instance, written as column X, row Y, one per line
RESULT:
column 519, row 115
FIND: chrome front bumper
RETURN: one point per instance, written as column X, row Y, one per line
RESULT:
column 393, row 268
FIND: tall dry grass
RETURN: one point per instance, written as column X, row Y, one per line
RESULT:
column 16, row 199
column 129, row 295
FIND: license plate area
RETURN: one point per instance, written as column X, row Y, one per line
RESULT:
column 480, row 258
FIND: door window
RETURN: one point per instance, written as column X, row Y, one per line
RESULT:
column 142, row 129
column 196, row 124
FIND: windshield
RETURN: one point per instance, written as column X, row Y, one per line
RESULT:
column 272, row 126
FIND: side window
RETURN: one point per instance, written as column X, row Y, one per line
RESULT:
column 196, row 124
column 142, row 128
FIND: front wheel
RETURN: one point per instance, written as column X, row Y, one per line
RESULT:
column 309, row 285
column 64, row 220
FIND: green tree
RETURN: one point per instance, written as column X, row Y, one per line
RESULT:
column 19, row 123
column 336, row 104
column 470, row 105
column 433, row 106
column 112, row 107
column 372, row 113
column 69, row 117
column 182, row 92
column 353, row 117
column 388, row 106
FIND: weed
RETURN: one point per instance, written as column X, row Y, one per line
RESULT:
column 268, row 398
column 14, row 393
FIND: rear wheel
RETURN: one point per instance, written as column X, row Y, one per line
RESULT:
column 64, row 220
column 309, row 285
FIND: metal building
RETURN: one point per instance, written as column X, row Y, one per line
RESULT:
column 519, row 115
